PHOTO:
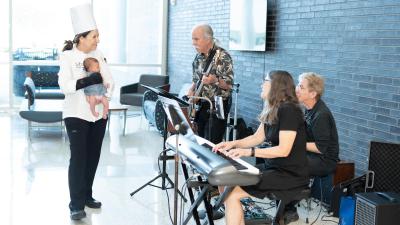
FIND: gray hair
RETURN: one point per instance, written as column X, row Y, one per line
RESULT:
column 315, row 83
column 207, row 30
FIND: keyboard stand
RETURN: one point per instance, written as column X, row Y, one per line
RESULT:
column 222, row 197
column 202, row 196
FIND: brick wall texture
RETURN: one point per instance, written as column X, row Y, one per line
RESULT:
column 354, row 44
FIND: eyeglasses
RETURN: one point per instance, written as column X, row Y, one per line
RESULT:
column 267, row 77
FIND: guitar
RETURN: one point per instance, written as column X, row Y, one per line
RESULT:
column 194, row 106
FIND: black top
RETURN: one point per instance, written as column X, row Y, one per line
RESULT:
column 321, row 129
column 290, row 117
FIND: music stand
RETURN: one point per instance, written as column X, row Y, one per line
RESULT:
column 181, row 125
column 163, row 174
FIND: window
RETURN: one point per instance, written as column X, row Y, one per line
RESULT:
column 42, row 23
column 4, row 54
column 131, row 33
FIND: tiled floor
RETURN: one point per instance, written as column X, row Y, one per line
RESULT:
column 33, row 176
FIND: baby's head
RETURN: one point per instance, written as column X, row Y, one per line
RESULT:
column 91, row 65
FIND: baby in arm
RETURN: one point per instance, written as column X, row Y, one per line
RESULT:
column 95, row 94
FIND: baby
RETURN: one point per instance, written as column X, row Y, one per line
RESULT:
column 95, row 93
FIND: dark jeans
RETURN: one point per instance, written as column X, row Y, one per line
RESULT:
column 216, row 134
column 85, row 140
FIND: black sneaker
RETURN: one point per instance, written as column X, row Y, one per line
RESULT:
column 77, row 214
column 290, row 216
column 93, row 203
column 217, row 214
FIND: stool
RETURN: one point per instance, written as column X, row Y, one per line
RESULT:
column 285, row 197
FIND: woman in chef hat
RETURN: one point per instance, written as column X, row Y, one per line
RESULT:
column 85, row 131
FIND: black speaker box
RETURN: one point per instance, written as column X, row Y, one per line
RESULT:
column 384, row 161
column 377, row 208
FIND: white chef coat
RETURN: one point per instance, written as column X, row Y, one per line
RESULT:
column 71, row 69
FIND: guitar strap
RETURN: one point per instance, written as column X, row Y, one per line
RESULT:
column 208, row 65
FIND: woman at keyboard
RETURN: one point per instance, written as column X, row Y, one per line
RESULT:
column 285, row 162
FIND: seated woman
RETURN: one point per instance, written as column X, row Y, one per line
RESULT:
column 282, row 125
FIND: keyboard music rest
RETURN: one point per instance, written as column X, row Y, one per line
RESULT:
column 218, row 170
column 170, row 127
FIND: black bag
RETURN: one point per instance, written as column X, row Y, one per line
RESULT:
column 242, row 130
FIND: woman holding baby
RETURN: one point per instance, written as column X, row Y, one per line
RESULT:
column 85, row 129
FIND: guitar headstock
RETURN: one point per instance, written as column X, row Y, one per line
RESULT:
column 217, row 57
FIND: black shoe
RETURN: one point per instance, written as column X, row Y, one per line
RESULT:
column 290, row 216
column 77, row 214
column 217, row 214
column 93, row 203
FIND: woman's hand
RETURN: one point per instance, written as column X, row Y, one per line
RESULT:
column 224, row 146
column 239, row 152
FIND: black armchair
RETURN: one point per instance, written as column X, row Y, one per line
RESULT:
column 133, row 94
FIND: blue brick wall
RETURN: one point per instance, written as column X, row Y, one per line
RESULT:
column 355, row 44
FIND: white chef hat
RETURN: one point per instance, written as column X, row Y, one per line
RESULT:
column 82, row 18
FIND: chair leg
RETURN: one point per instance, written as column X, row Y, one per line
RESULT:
column 308, row 200
column 29, row 130
column 279, row 213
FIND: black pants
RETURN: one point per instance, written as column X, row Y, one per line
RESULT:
column 216, row 134
column 318, row 167
column 85, row 140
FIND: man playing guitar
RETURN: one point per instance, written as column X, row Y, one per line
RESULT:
column 213, row 73
column 212, row 76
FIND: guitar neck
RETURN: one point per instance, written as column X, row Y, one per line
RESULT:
column 198, row 90
column 206, row 73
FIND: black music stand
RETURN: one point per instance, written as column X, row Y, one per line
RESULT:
column 164, row 157
column 181, row 125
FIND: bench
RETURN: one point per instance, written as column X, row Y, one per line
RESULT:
column 40, row 110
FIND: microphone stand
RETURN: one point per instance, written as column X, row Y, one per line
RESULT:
column 210, row 119
column 232, row 127
column 235, row 112
column 177, row 128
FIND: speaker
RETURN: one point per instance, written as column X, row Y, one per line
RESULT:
column 377, row 208
column 384, row 161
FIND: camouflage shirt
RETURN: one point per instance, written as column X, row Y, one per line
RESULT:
column 221, row 67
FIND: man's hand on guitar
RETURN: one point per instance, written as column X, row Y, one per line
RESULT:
column 210, row 79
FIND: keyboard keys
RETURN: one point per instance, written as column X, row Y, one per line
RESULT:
column 237, row 165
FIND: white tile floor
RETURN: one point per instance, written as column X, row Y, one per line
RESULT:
column 33, row 176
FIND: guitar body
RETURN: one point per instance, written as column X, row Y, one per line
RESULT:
column 195, row 106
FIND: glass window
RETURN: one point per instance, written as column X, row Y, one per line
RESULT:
column 42, row 23
column 133, row 30
column 124, row 75
column 4, row 54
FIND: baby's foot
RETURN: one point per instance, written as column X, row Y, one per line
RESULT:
column 105, row 116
